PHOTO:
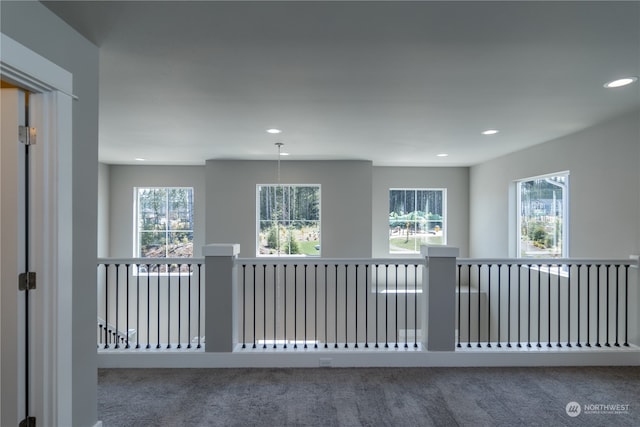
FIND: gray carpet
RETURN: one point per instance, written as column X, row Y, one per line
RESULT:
column 369, row 397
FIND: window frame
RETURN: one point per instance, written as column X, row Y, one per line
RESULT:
column 257, row 222
column 565, row 213
column 444, row 215
column 167, row 230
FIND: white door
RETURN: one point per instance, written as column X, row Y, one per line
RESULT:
column 14, row 260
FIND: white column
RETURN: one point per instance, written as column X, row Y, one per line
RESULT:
column 221, row 324
column 439, row 297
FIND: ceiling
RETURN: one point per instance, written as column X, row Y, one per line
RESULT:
column 392, row 82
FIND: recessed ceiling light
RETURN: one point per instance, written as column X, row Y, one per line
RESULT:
column 274, row 130
column 620, row 82
column 490, row 132
column 442, row 155
column 284, row 154
column 140, row 159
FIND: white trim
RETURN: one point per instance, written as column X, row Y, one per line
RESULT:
column 565, row 212
column 312, row 358
column 53, row 183
column 21, row 65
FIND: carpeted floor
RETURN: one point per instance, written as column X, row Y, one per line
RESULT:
column 369, row 397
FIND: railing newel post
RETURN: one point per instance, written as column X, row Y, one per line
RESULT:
column 439, row 299
column 221, row 294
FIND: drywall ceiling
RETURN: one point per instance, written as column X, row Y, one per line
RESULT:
column 392, row 82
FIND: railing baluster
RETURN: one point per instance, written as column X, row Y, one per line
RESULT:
column 406, row 308
column 356, row 310
column 148, row 305
column 607, row 309
column 335, row 308
column 254, row 305
column 415, row 306
column 529, row 306
column 138, row 306
column 189, row 272
column 168, row 306
column 106, row 305
column 626, row 306
column 326, row 297
column 346, row 306
column 305, row 306
column 244, row 306
column 588, row 344
column 396, row 308
column 377, row 307
column 539, row 302
column 469, row 306
column 199, row 303
column 117, row 304
column 479, row 286
column 459, row 304
column 264, row 306
column 568, row 266
column 519, row 301
column 499, row 302
column 558, row 344
column 275, row 296
column 284, row 285
column 366, row 306
column 295, row 306
column 386, row 306
column 179, row 306
column 127, row 306
column 489, row 305
column 549, row 305
column 509, row 305
column 315, row 309
column 579, row 267
column 158, row 312
column 617, row 344
column 598, row 306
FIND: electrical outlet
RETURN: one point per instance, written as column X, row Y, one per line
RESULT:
column 325, row 362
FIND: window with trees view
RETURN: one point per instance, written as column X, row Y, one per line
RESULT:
column 164, row 222
column 542, row 216
column 288, row 220
column 416, row 217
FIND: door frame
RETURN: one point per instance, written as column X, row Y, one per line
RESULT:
column 52, row 88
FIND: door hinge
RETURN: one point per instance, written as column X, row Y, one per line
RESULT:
column 27, row 135
column 27, row 281
column 28, row 422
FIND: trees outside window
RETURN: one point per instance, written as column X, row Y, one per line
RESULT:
column 288, row 220
column 543, row 215
column 164, row 222
column 416, row 217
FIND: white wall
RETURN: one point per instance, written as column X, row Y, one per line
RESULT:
column 125, row 178
column 604, row 192
column 455, row 180
column 345, row 202
column 34, row 26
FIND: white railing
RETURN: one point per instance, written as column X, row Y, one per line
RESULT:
column 546, row 303
column 150, row 303
column 433, row 303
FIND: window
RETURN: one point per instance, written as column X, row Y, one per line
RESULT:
column 164, row 222
column 416, row 217
column 288, row 220
column 542, row 204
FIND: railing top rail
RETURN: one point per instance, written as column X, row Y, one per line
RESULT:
column 328, row 261
column 546, row 261
column 150, row 261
